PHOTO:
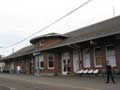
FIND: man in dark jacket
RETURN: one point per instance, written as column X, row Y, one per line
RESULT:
column 109, row 73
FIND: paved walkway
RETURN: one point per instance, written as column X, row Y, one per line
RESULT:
column 3, row 88
column 82, row 83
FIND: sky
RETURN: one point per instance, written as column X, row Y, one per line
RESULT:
column 21, row 18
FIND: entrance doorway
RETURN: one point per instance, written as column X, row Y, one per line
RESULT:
column 65, row 61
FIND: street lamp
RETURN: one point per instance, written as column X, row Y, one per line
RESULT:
column 1, row 54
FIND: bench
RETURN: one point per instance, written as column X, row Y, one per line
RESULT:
column 88, row 72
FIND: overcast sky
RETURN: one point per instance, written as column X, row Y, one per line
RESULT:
column 21, row 18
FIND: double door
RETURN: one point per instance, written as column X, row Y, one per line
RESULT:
column 65, row 61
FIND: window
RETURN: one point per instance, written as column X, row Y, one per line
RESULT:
column 86, row 57
column 110, row 56
column 50, row 62
column 39, row 62
column 99, row 57
column 76, row 61
column 41, row 43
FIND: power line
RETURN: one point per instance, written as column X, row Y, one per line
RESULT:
column 44, row 28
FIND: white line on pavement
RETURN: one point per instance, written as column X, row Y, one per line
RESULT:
column 11, row 88
column 86, row 88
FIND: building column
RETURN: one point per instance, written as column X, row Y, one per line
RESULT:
column 71, row 61
column 117, row 52
column 81, row 59
column 57, row 64
column 104, row 60
column 91, row 58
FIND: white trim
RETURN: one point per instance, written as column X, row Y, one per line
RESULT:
column 2, row 65
column 95, row 58
column 42, row 61
column 84, row 59
column 37, row 62
column 51, row 67
column 76, row 61
column 64, row 56
column 48, row 61
column 42, row 43
column 107, row 52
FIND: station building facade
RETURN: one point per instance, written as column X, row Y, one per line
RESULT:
column 90, row 47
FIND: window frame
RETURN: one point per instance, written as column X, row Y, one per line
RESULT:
column 99, row 66
column 106, row 50
column 41, row 43
column 38, row 62
column 84, row 62
column 48, row 61
column 41, row 61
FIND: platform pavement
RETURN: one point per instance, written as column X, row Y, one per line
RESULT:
column 82, row 83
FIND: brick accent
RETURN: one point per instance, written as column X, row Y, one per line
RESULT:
column 81, row 61
column 57, row 63
column 117, row 51
column 71, row 61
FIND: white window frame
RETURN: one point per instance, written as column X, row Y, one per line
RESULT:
column 95, row 58
column 41, row 61
column 41, row 43
column 48, row 61
column 114, row 55
column 76, row 64
column 37, row 62
column 84, row 59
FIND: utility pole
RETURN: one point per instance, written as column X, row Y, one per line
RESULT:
column 113, row 8
column 12, row 50
column 1, row 54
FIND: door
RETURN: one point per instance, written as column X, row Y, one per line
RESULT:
column 65, row 58
column 76, row 63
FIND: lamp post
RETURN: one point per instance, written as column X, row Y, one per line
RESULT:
column 1, row 64
column 0, row 54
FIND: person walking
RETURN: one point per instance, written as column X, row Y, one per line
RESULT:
column 109, row 73
column 18, row 70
